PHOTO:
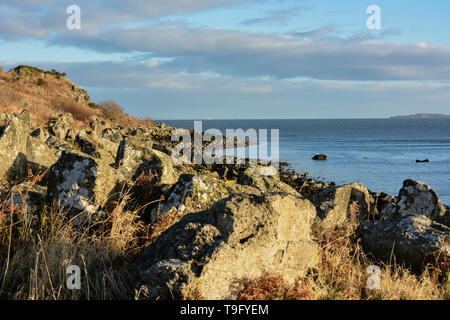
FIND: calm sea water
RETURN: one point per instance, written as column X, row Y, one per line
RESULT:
column 380, row 153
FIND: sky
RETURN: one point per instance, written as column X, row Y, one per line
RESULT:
column 241, row 59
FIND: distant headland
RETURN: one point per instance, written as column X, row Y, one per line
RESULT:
column 423, row 116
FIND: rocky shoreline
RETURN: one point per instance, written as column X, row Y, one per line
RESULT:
column 233, row 221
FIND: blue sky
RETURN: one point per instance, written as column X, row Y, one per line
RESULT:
column 193, row 59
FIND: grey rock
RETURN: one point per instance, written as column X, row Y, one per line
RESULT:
column 80, row 184
column 135, row 157
column 243, row 236
column 418, row 198
column 410, row 239
column 61, row 126
column 194, row 193
column 333, row 203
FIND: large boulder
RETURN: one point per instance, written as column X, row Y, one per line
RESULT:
column 85, row 142
column 240, row 237
column 418, row 198
column 28, row 198
column 410, row 239
column 386, row 206
column 61, row 126
column 38, row 152
column 265, row 179
column 13, row 145
column 112, row 134
column 136, row 157
column 80, row 183
column 333, row 203
column 194, row 192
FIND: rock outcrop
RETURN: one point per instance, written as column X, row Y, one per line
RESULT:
column 265, row 179
column 243, row 236
column 194, row 192
column 135, row 157
column 410, row 240
column 418, row 198
column 333, row 203
column 13, row 144
column 61, row 126
column 80, row 184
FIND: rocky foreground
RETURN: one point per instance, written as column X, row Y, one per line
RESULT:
column 230, row 222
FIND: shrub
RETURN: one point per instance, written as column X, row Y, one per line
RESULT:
column 28, row 71
column 111, row 106
column 93, row 105
column 41, row 82
column 78, row 111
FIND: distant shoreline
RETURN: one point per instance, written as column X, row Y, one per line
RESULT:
column 422, row 116
column 412, row 117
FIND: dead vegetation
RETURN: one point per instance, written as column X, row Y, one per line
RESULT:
column 343, row 274
column 45, row 94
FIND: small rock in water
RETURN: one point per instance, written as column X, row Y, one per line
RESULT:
column 320, row 157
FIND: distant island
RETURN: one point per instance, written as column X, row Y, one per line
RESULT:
column 422, row 116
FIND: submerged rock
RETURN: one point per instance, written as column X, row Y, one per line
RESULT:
column 410, row 239
column 243, row 236
column 418, row 198
column 320, row 157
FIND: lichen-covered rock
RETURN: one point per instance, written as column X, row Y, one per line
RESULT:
column 13, row 145
column 243, row 236
column 80, row 183
column 31, row 198
column 194, row 192
column 58, row 145
column 265, row 179
column 410, row 239
column 418, row 198
column 61, row 126
column 333, row 203
column 136, row 157
column 445, row 219
column 38, row 152
column 86, row 144
column 112, row 134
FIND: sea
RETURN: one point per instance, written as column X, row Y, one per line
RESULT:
column 380, row 153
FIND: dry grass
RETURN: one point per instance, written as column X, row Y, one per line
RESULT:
column 273, row 287
column 164, row 222
column 36, row 249
column 78, row 111
column 342, row 274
